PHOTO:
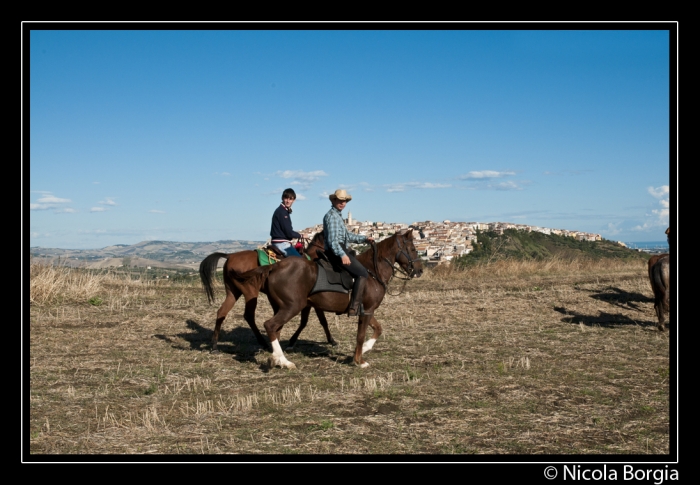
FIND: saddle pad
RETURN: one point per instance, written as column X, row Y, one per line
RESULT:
column 264, row 258
column 330, row 280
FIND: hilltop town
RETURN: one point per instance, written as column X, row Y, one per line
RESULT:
column 439, row 242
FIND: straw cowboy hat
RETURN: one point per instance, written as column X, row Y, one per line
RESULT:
column 341, row 195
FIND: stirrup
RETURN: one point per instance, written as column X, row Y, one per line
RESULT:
column 356, row 312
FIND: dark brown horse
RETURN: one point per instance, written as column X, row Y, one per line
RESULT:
column 241, row 262
column 660, row 278
column 288, row 285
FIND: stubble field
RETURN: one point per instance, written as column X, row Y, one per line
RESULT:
column 554, row 358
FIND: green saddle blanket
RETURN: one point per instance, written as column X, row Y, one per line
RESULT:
column 265, row 259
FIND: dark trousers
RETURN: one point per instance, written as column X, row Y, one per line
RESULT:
column 355, row 268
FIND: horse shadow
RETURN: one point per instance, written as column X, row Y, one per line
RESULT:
column 604, row 319
column 239, row 342
column 621, row 298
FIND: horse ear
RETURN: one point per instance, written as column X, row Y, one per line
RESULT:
column 407, row 233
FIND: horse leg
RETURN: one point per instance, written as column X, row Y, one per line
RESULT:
column 361, row 331
column 367, row 346
column 324, row 323
column 225, row 307
column 658, row 307
column 273, row 327
column 304, row 320
column 660, row 316
column 249, row 315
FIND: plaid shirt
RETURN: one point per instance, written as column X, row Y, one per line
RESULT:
column 335, row 233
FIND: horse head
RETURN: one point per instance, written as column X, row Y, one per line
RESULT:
column 407, row 256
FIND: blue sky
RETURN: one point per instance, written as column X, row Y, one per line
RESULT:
column 192, row 135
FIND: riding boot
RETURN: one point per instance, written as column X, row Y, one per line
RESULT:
column 358, row 290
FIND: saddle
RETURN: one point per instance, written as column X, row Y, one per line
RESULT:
column 330, row 277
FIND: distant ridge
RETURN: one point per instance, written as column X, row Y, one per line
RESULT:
column 160, row 254
column 520, row 245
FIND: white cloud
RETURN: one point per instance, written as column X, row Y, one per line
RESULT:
column 39, row 207
column 108, row 201
column 156, row 211
column 484, row 174
column 47, row 201
column 659, row 218
column 66, row 210
column 301, row 196
column 402, row 187
column 613, row 228
column 658, row 192
column 50, row 199
column 97, row 209
column 301, row 178
column 301, row 175
column 510, row 185
column 661, row 213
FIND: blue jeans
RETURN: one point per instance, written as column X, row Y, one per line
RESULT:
column 287, row 249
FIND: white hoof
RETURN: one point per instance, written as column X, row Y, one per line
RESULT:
column 278, row 359
column 364, row 365
column 283, row 363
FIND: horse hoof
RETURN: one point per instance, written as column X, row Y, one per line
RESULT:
column 333, row 343
column 363, row 365
column 214, row 351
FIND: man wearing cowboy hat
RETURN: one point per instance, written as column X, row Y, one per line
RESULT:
column 337, row 237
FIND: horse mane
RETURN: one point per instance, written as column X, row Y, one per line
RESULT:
column 317, row 237
column 383, row 248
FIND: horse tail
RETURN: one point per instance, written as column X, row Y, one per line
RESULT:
column 256, row 277
column 207, row 270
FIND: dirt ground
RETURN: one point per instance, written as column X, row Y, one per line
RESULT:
column 493, row 361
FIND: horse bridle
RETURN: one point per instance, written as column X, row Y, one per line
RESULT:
column 403, row 251
column 409, row 273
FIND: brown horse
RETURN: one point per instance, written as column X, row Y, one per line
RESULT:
column 288, row 285
column 241, row 262
column 660, row 278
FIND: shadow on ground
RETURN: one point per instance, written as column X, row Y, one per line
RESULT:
column 603, row 319
column 621, row 298
column 240, row 342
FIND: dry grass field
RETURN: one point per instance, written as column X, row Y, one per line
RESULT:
column 548, row 358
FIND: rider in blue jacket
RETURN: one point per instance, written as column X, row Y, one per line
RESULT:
column 281, row 231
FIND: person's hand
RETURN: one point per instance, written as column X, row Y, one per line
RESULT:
column 345, row 259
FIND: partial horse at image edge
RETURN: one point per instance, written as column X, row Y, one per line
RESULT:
column 660, row 279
